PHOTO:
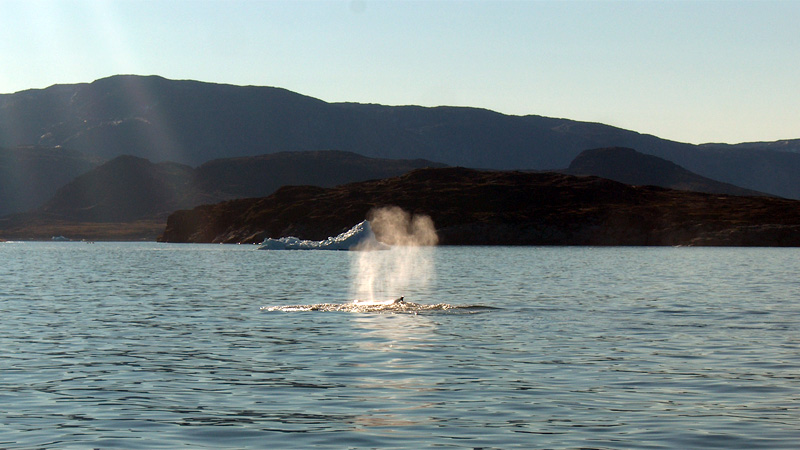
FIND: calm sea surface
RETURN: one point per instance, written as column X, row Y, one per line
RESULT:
column 146, row 346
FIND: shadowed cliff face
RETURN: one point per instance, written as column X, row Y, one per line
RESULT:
column 503, row 208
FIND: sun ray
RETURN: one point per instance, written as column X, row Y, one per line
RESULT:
column 143, row 120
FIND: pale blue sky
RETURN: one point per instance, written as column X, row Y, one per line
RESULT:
column 691, row 71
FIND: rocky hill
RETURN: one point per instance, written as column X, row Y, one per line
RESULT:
column 129, row 190
column 29, row 176
column 628, row 166
column 126, row 189
column 257, row 176
column 190, row 122
column 503, row 208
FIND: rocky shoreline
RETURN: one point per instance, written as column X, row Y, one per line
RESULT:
column 471, row 207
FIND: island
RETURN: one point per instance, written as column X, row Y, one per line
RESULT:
column 474, row 207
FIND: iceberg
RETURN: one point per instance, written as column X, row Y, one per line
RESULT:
column 360, row 237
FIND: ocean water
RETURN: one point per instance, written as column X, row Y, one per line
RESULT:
column 147, row 346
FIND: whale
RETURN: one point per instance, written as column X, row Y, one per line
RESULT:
column 398, row 305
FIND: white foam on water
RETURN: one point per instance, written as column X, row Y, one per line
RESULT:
column 362, row 307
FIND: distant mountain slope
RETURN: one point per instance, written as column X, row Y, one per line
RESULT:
column 785, row 145
column 125, row 189
column 130, row 188
column 773, row 172
column 192, row 122
column 256, row 176
column 628, row 166
column 502, row 208
column 29, row 176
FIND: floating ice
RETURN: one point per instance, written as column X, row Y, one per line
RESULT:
column 360, row 237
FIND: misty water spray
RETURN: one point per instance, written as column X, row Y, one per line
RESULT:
column 381, row 276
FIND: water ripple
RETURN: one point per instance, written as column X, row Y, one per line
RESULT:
column 145, row 346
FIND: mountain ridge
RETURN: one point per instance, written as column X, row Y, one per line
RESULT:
column 126, row 189
column 128, row 197
column 628, row 166
column 129, row 189
column 192, row 122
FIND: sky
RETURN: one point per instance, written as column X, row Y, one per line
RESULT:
column 691, row 71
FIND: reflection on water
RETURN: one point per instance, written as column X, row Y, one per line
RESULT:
column 391, row 369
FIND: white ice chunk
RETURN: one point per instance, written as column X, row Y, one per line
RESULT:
column 360, row 237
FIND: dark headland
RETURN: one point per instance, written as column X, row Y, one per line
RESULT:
column 471, row 207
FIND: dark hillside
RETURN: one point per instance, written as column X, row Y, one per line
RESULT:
column 130, row 189
column 257, row 176
column 631, row 167
column 30, row 176
column 503, row 208
column 125, row 189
